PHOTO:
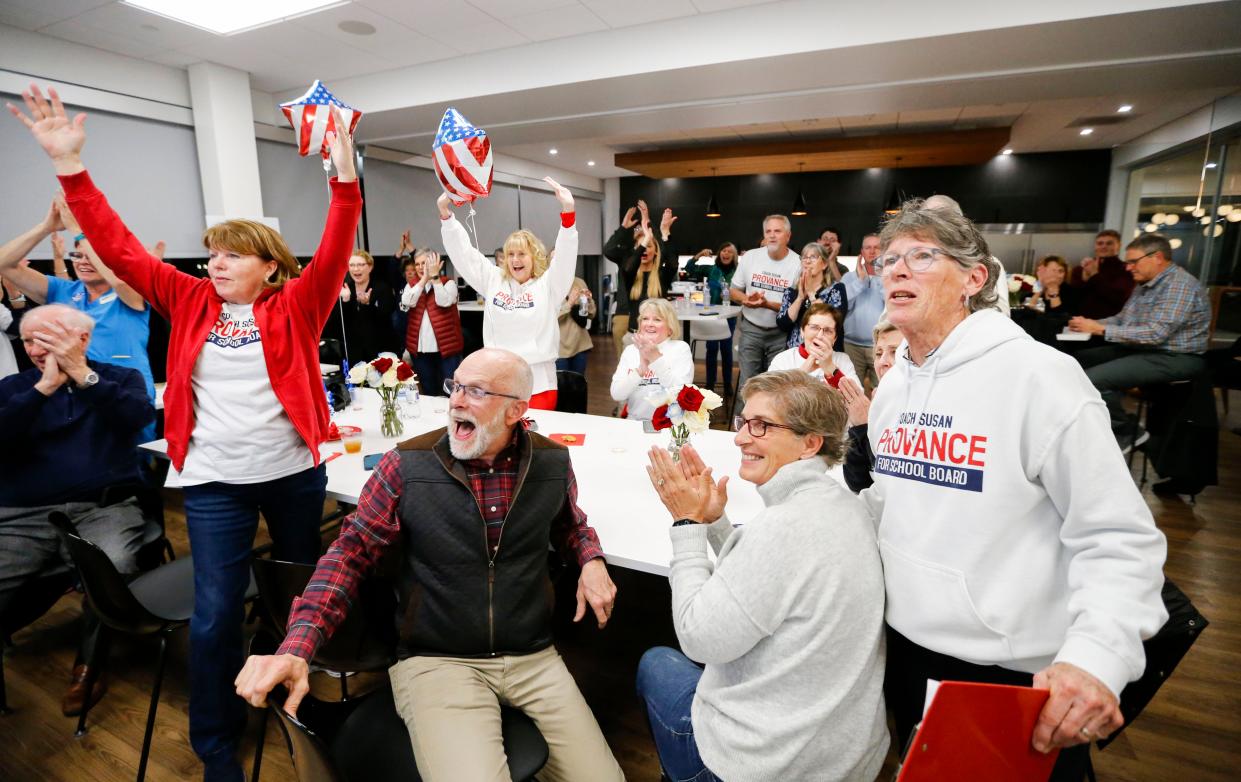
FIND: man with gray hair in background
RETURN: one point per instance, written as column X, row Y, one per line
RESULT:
column 763, row 275
column 476, row 619
column 70, row 430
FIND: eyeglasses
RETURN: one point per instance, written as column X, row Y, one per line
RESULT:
column 474, row 392
column 757, row 426
column 75, row 256
column 918, row 259
column 1128, row 262
column 814, row 328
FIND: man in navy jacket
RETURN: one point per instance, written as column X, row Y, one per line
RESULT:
column 70, row 429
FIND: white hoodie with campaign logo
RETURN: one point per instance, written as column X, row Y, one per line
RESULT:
column 1010, row 529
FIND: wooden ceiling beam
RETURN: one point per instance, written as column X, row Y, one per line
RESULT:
column 905, row 150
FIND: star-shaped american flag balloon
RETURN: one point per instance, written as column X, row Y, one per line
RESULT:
column 462, row 155
column 311, row 118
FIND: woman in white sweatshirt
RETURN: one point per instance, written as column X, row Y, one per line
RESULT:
column 1016, row 549
column 788, row 620
column 655, row 365
column 523, row 295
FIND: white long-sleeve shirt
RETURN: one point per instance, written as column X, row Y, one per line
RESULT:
column 518, row 317
column 645, row 392
column 8, row 361
column 445, row 296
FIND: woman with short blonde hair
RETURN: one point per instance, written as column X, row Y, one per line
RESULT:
column 654, row 365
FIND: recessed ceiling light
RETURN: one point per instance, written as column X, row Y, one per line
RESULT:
column 226, row 17
column 590, row 162
column 1007, row 152
column 1210, row 165
column 1124, row 109
column 355, row 27
column 553, row 151
column 1085, row 131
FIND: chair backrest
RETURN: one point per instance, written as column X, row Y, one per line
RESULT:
column 310, row 756
column 570, row 392
column 365, row 641
column 107, row 591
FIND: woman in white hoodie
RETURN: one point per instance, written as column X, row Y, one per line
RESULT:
column 1015, row 547
column 655, row 365
column 523, row 295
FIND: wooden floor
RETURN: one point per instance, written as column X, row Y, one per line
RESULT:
column 1192, row 730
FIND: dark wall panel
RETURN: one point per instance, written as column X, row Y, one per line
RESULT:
column 1053, row 187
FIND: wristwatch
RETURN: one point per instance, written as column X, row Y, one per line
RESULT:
column 683, row 522
column 92, row 377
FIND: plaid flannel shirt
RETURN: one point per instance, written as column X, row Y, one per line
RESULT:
column 366, row 534
column 1171, row 312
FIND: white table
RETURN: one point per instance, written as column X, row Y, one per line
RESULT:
column 470, row 306
column 696, row 312
column 613, row 487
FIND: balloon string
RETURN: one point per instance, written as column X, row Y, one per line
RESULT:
column 473, row 229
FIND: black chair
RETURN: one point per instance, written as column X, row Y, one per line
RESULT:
column 156, row 603
column 372, row 743
column 570, row 392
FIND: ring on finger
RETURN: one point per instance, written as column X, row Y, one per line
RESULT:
column 661, row 481
column 1085, row 733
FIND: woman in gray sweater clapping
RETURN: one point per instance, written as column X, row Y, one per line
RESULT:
column 788, row 622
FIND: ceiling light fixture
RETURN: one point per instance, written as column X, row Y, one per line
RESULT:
column 1085, row 131
column 1172, row 218
column 799, row 203
column 1124, row 109
column 553, row 151
column 228, row 17
column 356, row 27
column 713, row 206
column 1007, row 152
column 590, row 162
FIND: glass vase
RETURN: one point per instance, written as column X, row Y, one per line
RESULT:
column 390, row 417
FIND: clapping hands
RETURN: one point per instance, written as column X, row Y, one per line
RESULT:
column 686, row 487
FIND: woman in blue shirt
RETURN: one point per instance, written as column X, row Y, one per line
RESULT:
column 817, row 283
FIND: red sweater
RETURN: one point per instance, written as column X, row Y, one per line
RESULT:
column 289, row 318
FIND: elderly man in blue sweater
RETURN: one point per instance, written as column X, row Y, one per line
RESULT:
column 70, row 428
column 864, row 292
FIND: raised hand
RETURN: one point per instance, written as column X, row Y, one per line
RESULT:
column 629, row 220
column 644, row 211
column 562, row 194
column 61, row 138
column 340, row 144
column 52, row 378
column 65, row 215
column 665, row 223
column 855, row 401
column 364, row 297
column 444, row 204
column 58, row 248
column 432, row 265
column 696, row 497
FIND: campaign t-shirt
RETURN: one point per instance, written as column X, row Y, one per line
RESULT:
column 121, row 332
column 241, row 432
column 756, row 271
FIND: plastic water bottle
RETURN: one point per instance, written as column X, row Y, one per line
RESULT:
column 408, row 402
column 583, row 305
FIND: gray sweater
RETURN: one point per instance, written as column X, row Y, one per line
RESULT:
column 789, row 624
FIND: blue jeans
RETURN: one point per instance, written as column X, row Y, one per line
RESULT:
column 223, row 519
column 724, row 349
column 575, row 363
column 667, row 680
column 433, row 369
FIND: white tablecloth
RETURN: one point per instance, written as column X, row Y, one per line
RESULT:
column 613, row 487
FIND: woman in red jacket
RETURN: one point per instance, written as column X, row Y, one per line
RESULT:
column 244, row 406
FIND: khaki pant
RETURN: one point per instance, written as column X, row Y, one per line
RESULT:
column 863, row 358
column 451, row 707
column 620, row 327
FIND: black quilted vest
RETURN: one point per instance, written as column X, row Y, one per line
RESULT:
column 455, row 600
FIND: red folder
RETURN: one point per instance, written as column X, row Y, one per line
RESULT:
column 979, row 732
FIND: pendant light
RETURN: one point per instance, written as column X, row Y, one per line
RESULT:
column 799, row 203
column 713, row 206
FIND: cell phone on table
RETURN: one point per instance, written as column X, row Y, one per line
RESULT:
column 370, row 460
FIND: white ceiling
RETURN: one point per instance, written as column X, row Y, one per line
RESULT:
column 1040, row 78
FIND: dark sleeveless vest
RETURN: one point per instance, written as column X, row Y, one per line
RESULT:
column 454, row 599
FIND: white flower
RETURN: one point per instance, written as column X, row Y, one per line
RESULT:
column 710, row 399
column 357, row 374
column 1014, row 284
column 697, row 421
column 389, row 378
column 373, row 378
